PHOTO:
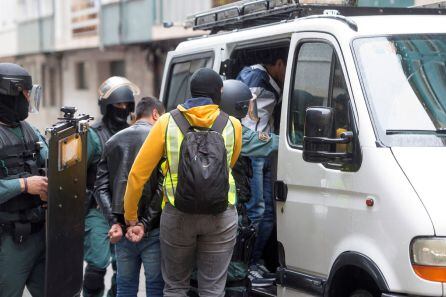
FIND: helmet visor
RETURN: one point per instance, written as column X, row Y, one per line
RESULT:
column 249, row 108
column 114, row 83
column 34, row 97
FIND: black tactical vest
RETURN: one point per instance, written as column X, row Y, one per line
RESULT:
column 242, row 173
column 18, row 158
column 104, row 134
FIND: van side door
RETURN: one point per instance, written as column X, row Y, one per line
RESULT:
column 313, row 212
column 177, row 72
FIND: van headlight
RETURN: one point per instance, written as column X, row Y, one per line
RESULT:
column 429, row 258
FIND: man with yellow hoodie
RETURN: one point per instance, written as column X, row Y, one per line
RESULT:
column 199, row 221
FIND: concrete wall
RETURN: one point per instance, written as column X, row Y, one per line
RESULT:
column 8, row 28
column 28, row 38
column 138, row 69
column 126, row 22
column 141, row 65
column 97, row 63
column 47, row 114
column 178, row 10
column 63, row 35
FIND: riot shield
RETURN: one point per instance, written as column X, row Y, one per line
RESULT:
column 66, row 170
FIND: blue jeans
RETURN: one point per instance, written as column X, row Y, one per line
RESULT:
column 260, row 207
column 130, row 256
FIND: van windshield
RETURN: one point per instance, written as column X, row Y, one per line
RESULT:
column 404, row 79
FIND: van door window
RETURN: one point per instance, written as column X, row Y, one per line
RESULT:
column 311, row 85
column 340, row 102
column 180, row 72
column 318, row 81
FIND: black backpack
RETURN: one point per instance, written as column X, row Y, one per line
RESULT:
column 203, row 174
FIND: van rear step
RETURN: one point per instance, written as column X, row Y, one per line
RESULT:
column 264, row 292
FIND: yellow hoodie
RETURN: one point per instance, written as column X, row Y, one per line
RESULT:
column 153, row 150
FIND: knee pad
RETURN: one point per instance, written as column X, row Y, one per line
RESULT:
column 94, row 278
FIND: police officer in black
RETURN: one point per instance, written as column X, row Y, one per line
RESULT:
column 23, row 152
column 116, row 102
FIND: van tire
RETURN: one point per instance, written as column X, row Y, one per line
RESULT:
column 361, row 293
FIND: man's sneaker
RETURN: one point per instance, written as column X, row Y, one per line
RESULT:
column 257, row 279
column 265, row 272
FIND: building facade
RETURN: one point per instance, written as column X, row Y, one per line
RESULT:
column 71, row 46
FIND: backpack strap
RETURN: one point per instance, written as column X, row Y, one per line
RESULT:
column 182, row 123
column 220, row 122
column 180, row 120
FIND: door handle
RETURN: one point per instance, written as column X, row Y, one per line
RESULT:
column 280, row 190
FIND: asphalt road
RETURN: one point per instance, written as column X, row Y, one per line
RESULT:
column 142, row 287
column 141, row 292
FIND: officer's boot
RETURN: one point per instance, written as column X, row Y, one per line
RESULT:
column 93, row 282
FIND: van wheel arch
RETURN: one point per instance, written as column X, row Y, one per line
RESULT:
column 357, row 263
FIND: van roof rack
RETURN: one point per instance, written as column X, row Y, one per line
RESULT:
column 251, row 13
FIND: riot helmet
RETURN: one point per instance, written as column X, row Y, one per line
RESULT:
column 238, row 101
column 116, row 90
column 18, row 96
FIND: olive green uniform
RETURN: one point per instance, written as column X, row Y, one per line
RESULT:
column 97, row 250
column 96, row 246
column 22, row 260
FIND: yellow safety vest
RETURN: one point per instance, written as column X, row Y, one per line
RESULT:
column 174, row 138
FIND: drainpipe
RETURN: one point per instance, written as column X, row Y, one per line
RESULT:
column 161, row 18
column 101, row 42
column 120, row 26
column 39, row 23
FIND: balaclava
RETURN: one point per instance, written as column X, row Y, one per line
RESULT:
column 206, row 83
column 116, row 118
column 13, row 109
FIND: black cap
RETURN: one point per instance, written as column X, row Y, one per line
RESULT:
column 206, row 83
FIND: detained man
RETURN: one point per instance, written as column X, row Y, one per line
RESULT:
column 116, row 102
column 141, row 242
column 199, row 221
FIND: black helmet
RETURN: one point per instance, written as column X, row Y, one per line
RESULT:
column 14, row 79
column 117, row 89
column 18, row 95
column 237, row 100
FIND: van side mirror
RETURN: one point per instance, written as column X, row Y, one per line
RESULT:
column 320, row 139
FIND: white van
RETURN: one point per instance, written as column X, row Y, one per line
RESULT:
column 361, row 208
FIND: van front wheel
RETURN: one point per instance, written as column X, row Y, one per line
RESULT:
column 361, row 293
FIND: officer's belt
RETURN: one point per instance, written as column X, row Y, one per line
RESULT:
column 10, row 228
column 21, row 165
